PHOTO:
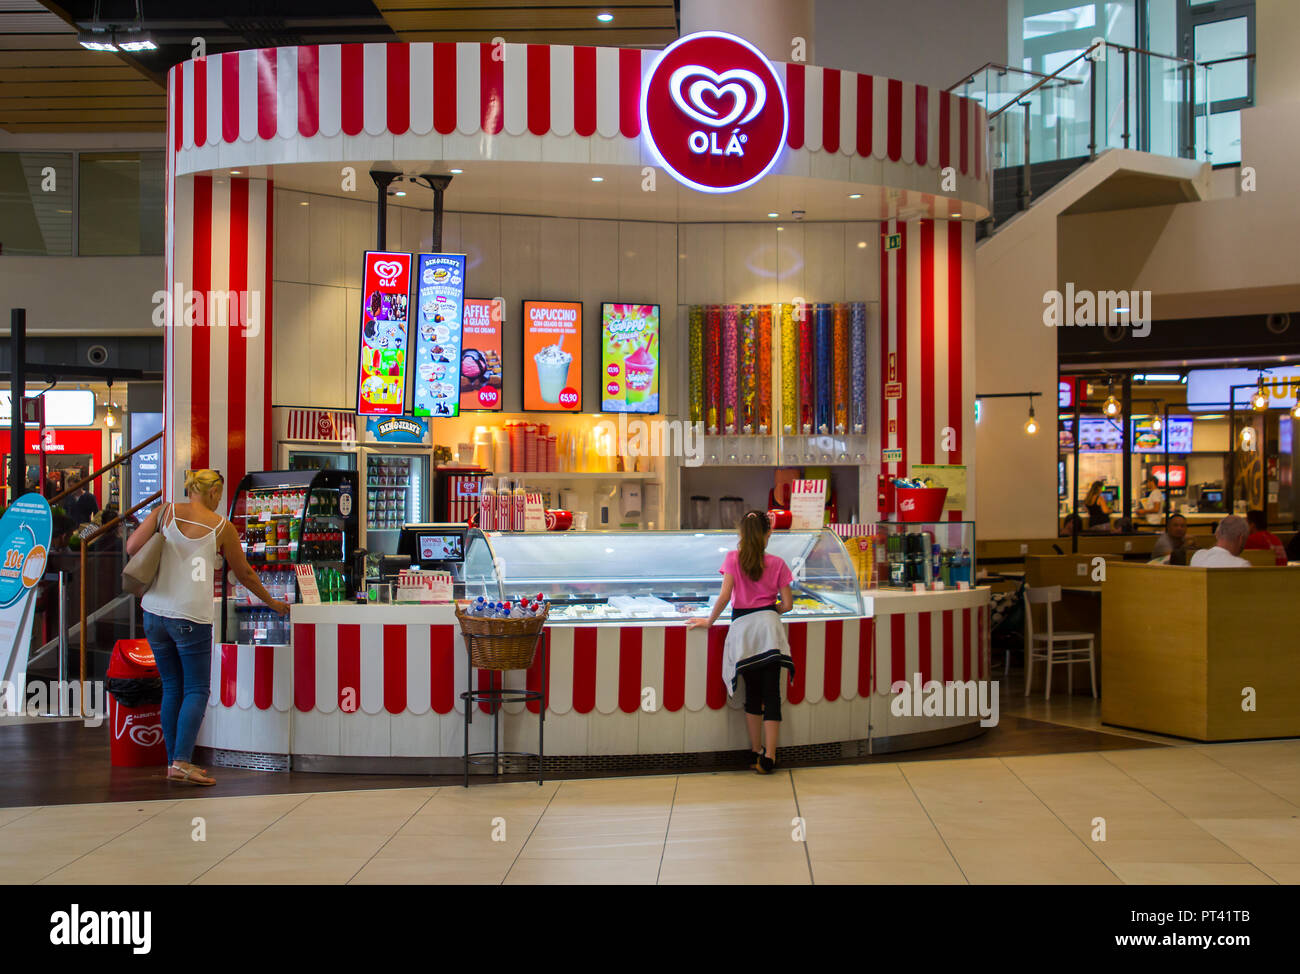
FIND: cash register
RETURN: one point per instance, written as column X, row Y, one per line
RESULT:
column 437, row 546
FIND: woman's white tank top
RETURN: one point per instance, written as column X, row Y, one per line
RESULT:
column 183, row 587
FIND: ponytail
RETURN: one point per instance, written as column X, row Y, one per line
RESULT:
column 753, row 530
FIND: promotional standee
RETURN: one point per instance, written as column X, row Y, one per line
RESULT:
column 285, row 519
column 25, row 541
column 381, row 383
column 629, row 358
column 439, row 303
column 480, row 355
column 553, row 356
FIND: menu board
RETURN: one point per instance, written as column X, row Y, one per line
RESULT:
column 629, row 358
column 1178, row 431
column 480, row 355
column 553, row 356
column 1100, row 435
column 381, row 385
column 440, row 294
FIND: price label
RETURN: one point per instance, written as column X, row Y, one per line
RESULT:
column 487, row 396
column 259, row 549
column 307, row 584
column 264, row 516
column 612, row 388
column 569, row 397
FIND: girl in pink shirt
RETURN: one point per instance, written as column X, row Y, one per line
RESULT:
column 758, row 587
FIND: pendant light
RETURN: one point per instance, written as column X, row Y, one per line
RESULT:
column 1157, row 424
column 1259, row 400
column 1031, row 424
column 1111, row 408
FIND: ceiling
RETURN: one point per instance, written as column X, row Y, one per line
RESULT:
column 569, row 190
column 49, row 83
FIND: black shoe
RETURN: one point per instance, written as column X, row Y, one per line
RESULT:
column 766, row 765
column 752, row 762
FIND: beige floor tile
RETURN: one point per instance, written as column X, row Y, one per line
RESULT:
column 1189, row 873
column 1258, row 839
column 886, row 872
column 288, row 843
column 775, row 848
column 8, row 815
column 1004, row 869
column 755, row 871
column 99, row 869
column 1154, row 850
column 420, row 872
column 1063, row 847
column 867, row 845
column 1286, row 873
column 259, row 869
column 32, row 865
column 625, row 845
column 475, row 824
column 432, row 848
column 582, row 872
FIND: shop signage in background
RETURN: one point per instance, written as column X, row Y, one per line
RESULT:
column 385, row 296
column 398, row 429
column 714, row 112
column 146, row 466
column 893, row 241
column 629, row 358
column 1067, row 392
column 1208, row 389
column 892, row 455
column 952, row 476
column 893, row 390
column 553, row 356
column 480, row 355
column 807, row 505
column 1175, row 436
column 25, row 541
column 440, row 299
column 63, row 407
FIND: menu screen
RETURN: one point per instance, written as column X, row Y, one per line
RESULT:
column 440, row 293
column 629, row 358
column 1178, row 431
column 1100, row 435
column 480, row 355
column 441, row 547
column 381, row 384
column 553, row 356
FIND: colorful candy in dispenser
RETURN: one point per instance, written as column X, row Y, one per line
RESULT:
column 789, row 369
column 746, row 377
column 730, row 341
column 713, row 367
column 840, row 405
column 763, row 393
column 858, row 367
column 695, row 319
column 807, row 361
column 824, row 330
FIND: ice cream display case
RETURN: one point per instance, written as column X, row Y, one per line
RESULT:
column 287, row 518
column 596, row 577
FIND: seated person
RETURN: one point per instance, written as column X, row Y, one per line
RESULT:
column 1261, row 539
column 1073, row 524
column 1173, row 540
column 1123, row 525
column 1230, row 538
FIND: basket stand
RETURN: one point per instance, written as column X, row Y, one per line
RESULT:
column 494, row 695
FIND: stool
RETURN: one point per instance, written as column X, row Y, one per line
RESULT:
column 496, row 696
column 1074, row 646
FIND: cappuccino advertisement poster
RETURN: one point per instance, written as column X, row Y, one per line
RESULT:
column 629, row 358
column 381, row 384
column 480, row 356
column 440, row 298
column 553, row 356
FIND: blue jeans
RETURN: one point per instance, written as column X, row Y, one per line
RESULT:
column 183, row 652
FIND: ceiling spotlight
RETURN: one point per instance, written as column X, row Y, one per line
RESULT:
column 773, row 216
column 862, row 244
column 400, row 192
column 455, row 172
column 99, row 39
column 135, row 40
column 597, row 179
column 604, row 17
column 855, row 196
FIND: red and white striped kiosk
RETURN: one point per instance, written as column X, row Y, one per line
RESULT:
column 701, row 174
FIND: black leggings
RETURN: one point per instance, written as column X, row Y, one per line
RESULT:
column 763, row 689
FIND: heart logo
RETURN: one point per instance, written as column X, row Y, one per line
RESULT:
column 690, row 84
column 387, row 268
column 147, row 736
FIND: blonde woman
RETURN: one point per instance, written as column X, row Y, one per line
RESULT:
column 178, row 609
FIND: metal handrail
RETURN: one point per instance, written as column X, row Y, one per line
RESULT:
column 998, row 67
column 1038, row 84
column 1225, row 60
column 116, row 461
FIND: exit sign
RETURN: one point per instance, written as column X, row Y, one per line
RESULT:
column 893, row 241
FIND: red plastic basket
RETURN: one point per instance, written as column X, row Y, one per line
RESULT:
column 920, row 503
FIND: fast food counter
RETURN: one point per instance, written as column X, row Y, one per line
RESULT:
column 375, row 688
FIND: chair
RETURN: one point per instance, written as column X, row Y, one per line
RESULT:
column 1055, row 647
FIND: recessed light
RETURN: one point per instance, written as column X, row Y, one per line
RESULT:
column 604, row 18
column 773, row 216
column 862, row 244
column 855, row 196
column 456, row 172
column 304, row 203
column 597, row 179
column 780, row 229
column 234, row 172
column 954, row 216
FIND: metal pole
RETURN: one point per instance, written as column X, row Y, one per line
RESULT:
column 1208, row 153
column 1126, row 132
column 82, row 634
column 1092, row 108
column 1026, row 191
column 17, row 390
column 439, row 184
column 1074, row 489
column 381, row 181
column 1127, row 388
column 1230, row 493
column 63, row 639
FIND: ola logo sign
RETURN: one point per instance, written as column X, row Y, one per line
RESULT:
column 714, row 112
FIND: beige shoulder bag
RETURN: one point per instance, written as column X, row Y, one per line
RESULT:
column 139, row 574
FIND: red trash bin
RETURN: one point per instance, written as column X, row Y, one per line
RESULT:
column 136, row 737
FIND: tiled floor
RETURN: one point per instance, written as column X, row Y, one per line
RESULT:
column 1213, row 814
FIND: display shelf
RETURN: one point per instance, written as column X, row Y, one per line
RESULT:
column 526, row 475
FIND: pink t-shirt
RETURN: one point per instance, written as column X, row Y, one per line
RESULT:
column 749, row 594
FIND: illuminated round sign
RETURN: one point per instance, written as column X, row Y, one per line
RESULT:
column 714, row 112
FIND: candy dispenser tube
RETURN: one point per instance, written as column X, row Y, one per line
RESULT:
column 807, row 364
column 823, row 330
column 695, row 367
column 789, row 369
column 730, row 341
column 746, row 375
column 763, row 393
column 840, row 399
column 858, row 367
column 713, row 367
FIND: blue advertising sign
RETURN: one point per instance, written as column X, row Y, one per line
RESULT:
column 398, row 429
column 146, row 466
column 25, row 543
column 440, row 305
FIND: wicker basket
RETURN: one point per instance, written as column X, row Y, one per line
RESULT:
column 501, row 644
